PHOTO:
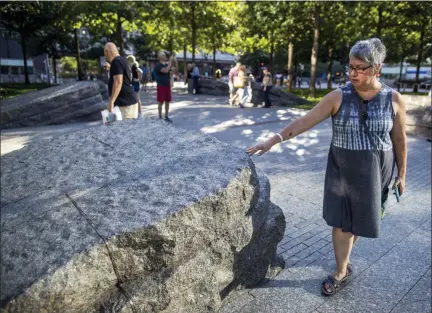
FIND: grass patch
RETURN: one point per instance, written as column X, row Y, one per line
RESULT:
column 304, row 93
column 321, row 93
column 419, row 93
column 12, row 90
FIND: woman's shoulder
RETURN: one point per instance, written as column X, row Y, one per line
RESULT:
column 336, row 94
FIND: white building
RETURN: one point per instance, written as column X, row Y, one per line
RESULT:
column 408, row 71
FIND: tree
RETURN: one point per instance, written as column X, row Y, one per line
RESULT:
column 335, row 31
column 422, row 26
column 296, row 27
column 261, row 22
column 314, row 56
column 24, row 19
column 219, row 25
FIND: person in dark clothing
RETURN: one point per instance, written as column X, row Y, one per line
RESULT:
column 196, row 77
column 163, row 80
column 267, row 85
column 120, row 88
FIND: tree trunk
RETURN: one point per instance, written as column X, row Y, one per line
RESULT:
column 120, row 35
column 419, row 58
column 24, row 52
column 171, row 37
column 290, row 62
column 193, row 25
column 78, row 55
column 314, row 56
column 271, row 55
column 184, row 62
column 295, row 73
column 214, row 61
column 400, row 73
column 55, row 69
column 380, row 18
column 345, row 59
column 329, row 69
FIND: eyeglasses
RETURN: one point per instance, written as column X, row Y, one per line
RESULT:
column 349, row 68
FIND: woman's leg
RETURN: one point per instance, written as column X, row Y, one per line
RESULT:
column 267, row 97
column 342, row 244
column 139, row 102
column 244, row 96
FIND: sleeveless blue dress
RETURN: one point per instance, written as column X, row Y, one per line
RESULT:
column 359, row 171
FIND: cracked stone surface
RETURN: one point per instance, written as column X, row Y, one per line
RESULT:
column 72, row 102
column 139, row 215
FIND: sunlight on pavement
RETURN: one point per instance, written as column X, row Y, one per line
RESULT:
column 12, row 144
column 226, row 124
column 247, row 132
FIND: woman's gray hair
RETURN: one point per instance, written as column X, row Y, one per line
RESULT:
column 371, row 50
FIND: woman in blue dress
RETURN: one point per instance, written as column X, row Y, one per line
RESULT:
column 368, row 121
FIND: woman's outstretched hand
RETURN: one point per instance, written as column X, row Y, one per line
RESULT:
column 262, row 147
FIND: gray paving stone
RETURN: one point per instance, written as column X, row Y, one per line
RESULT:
column 327, row 248
column 418, row 299
column 306, row 261
column 236, row 303
column 291, row 261
column 302, row 231
column 385, row 282
column 293, row 292
column 259, row 305
column 319, row 236
column 394, row 228
column 294, row 250
column 290, row 243
column 311, row 249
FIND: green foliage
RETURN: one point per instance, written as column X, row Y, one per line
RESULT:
column 256, row 31
column 68, row 67
column 12, row 90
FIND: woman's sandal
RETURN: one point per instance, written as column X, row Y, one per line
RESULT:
column 333, row 285
column 350, row 269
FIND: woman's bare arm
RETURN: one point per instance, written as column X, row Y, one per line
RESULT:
column 399, row 139
column 325, row 108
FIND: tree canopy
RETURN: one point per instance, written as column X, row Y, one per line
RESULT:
column 282, row 34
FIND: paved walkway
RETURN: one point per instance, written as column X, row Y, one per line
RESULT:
column 392, row 273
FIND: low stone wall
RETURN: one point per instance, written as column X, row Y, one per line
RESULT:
column 71, row 102
column 278, row 96
column 135, row 217
column 418, row 121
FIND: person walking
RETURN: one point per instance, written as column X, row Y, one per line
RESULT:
column 136, row 78
column 195, row 75
column 120, row 88
column 232, row 75
column 145, row 77
column 163, row 81
column 267, row 86
column 368, row 120
column 246, row 91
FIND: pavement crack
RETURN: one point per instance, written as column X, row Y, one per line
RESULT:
column 425, row 273
column 114, row 265
column 104, row 143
